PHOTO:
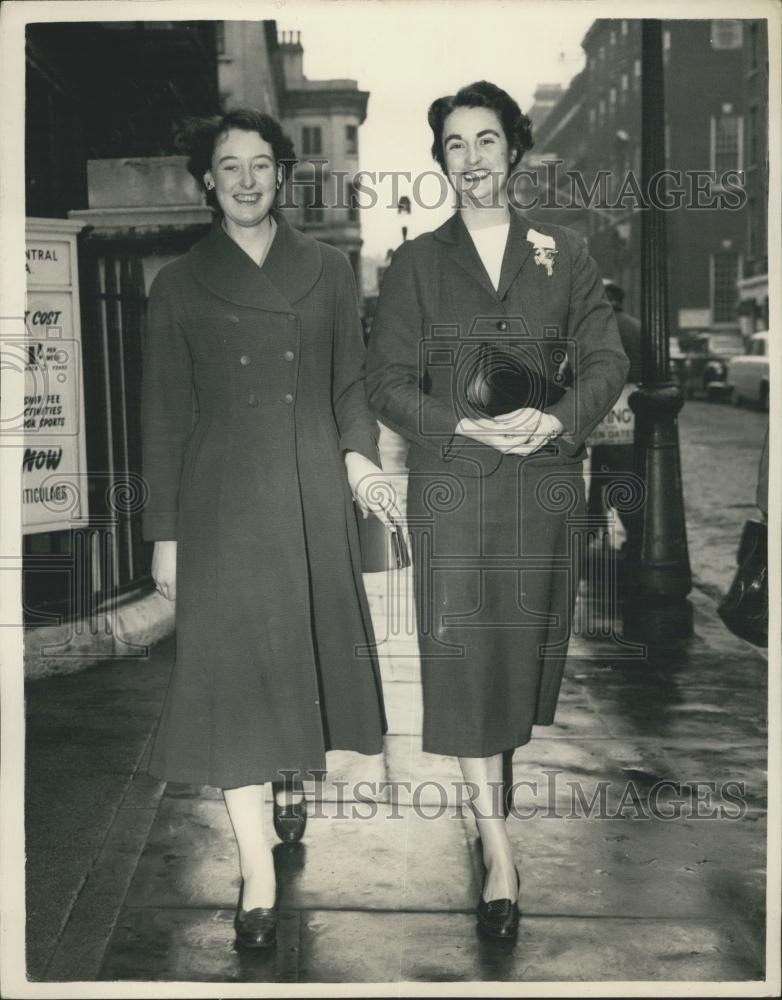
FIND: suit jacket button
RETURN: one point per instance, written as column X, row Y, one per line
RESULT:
column 289, row 355
column 287, row 398
column 244, row 360
column 291, row 317
column 502, row 326
column 252, row 399
column 232, row 319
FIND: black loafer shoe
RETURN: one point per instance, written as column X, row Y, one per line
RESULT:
column 290, row 821
column 255, row 928
column 499, row 918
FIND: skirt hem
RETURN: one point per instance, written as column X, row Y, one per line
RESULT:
column 448, row 750
column 311, row 772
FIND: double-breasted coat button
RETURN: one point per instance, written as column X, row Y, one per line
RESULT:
column 291, row 317
column 289, row 355
column 244, row 360
column 287, row 398
column 252, row 399
column 232, row 319
column 502, row 326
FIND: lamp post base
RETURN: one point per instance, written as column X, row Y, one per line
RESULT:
column 657, row 567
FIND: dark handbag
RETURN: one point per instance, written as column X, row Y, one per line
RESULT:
column 381, row 549
column 499, row 381
column 399, row 551
column 744, row 609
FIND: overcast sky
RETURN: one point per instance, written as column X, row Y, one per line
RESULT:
column 405, row 55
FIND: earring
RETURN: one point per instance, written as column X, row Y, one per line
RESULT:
column 209, row 187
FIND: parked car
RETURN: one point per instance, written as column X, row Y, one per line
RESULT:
column 748, row 374
column 701, row 365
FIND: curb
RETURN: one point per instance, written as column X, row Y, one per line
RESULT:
column 124, row 631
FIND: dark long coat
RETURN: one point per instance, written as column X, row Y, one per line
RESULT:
column 496, row 538
column 253, row 390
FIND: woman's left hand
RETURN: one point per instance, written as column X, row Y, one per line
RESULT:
column 370, row 486
column 526, row 430
column 539, row 427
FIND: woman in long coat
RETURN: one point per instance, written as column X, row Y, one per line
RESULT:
column 494, row 503
column 256, row 439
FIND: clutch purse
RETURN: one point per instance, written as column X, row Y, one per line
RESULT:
column 500, row 382
column 399, row 551
column 382, row 547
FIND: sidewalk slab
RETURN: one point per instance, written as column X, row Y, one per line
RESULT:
column 366, row 857
column 197, row 945
column 381, row 890
column 712, row 869
column 86, row 736
column 428, row 947
column 678, row 711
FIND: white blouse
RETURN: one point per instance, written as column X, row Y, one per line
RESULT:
column 490, row 244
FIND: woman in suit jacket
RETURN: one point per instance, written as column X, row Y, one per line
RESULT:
column 494, row 503
column 257, row 438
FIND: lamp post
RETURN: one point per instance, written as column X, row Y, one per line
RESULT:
column 658, row 567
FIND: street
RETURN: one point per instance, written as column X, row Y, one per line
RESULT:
column 720, row 451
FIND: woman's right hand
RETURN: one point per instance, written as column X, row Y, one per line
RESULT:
column 519, row 433
column 164, row 569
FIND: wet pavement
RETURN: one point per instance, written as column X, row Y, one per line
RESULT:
column 632, row 867
column 639, row 827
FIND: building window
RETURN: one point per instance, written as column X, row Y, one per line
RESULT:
column 311, row 140
column 726, row 143
column 666, row 45
column 591, row 116
column 612, row 96
column 724, row 274
column 220, row 37
column 351, row 140
column 601, row 108
column 624, row 28
column 625, row 82
column 612, row 38
column 637, row 69
column 602, row 53
column 312, row 200
column 726, row 34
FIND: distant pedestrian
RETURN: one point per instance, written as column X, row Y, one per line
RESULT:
column 493, row 491
column 609, row 461
column 257, row 438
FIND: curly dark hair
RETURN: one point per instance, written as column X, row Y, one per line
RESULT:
column 516, row 125
column 199, row 138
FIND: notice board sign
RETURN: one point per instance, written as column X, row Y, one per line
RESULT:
column 618, row 425
column 54, row 482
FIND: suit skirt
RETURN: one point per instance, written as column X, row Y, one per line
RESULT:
column 497, row 561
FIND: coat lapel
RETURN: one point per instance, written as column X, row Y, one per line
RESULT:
column 517, row 250
column 461, row 249
column 292, row 267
